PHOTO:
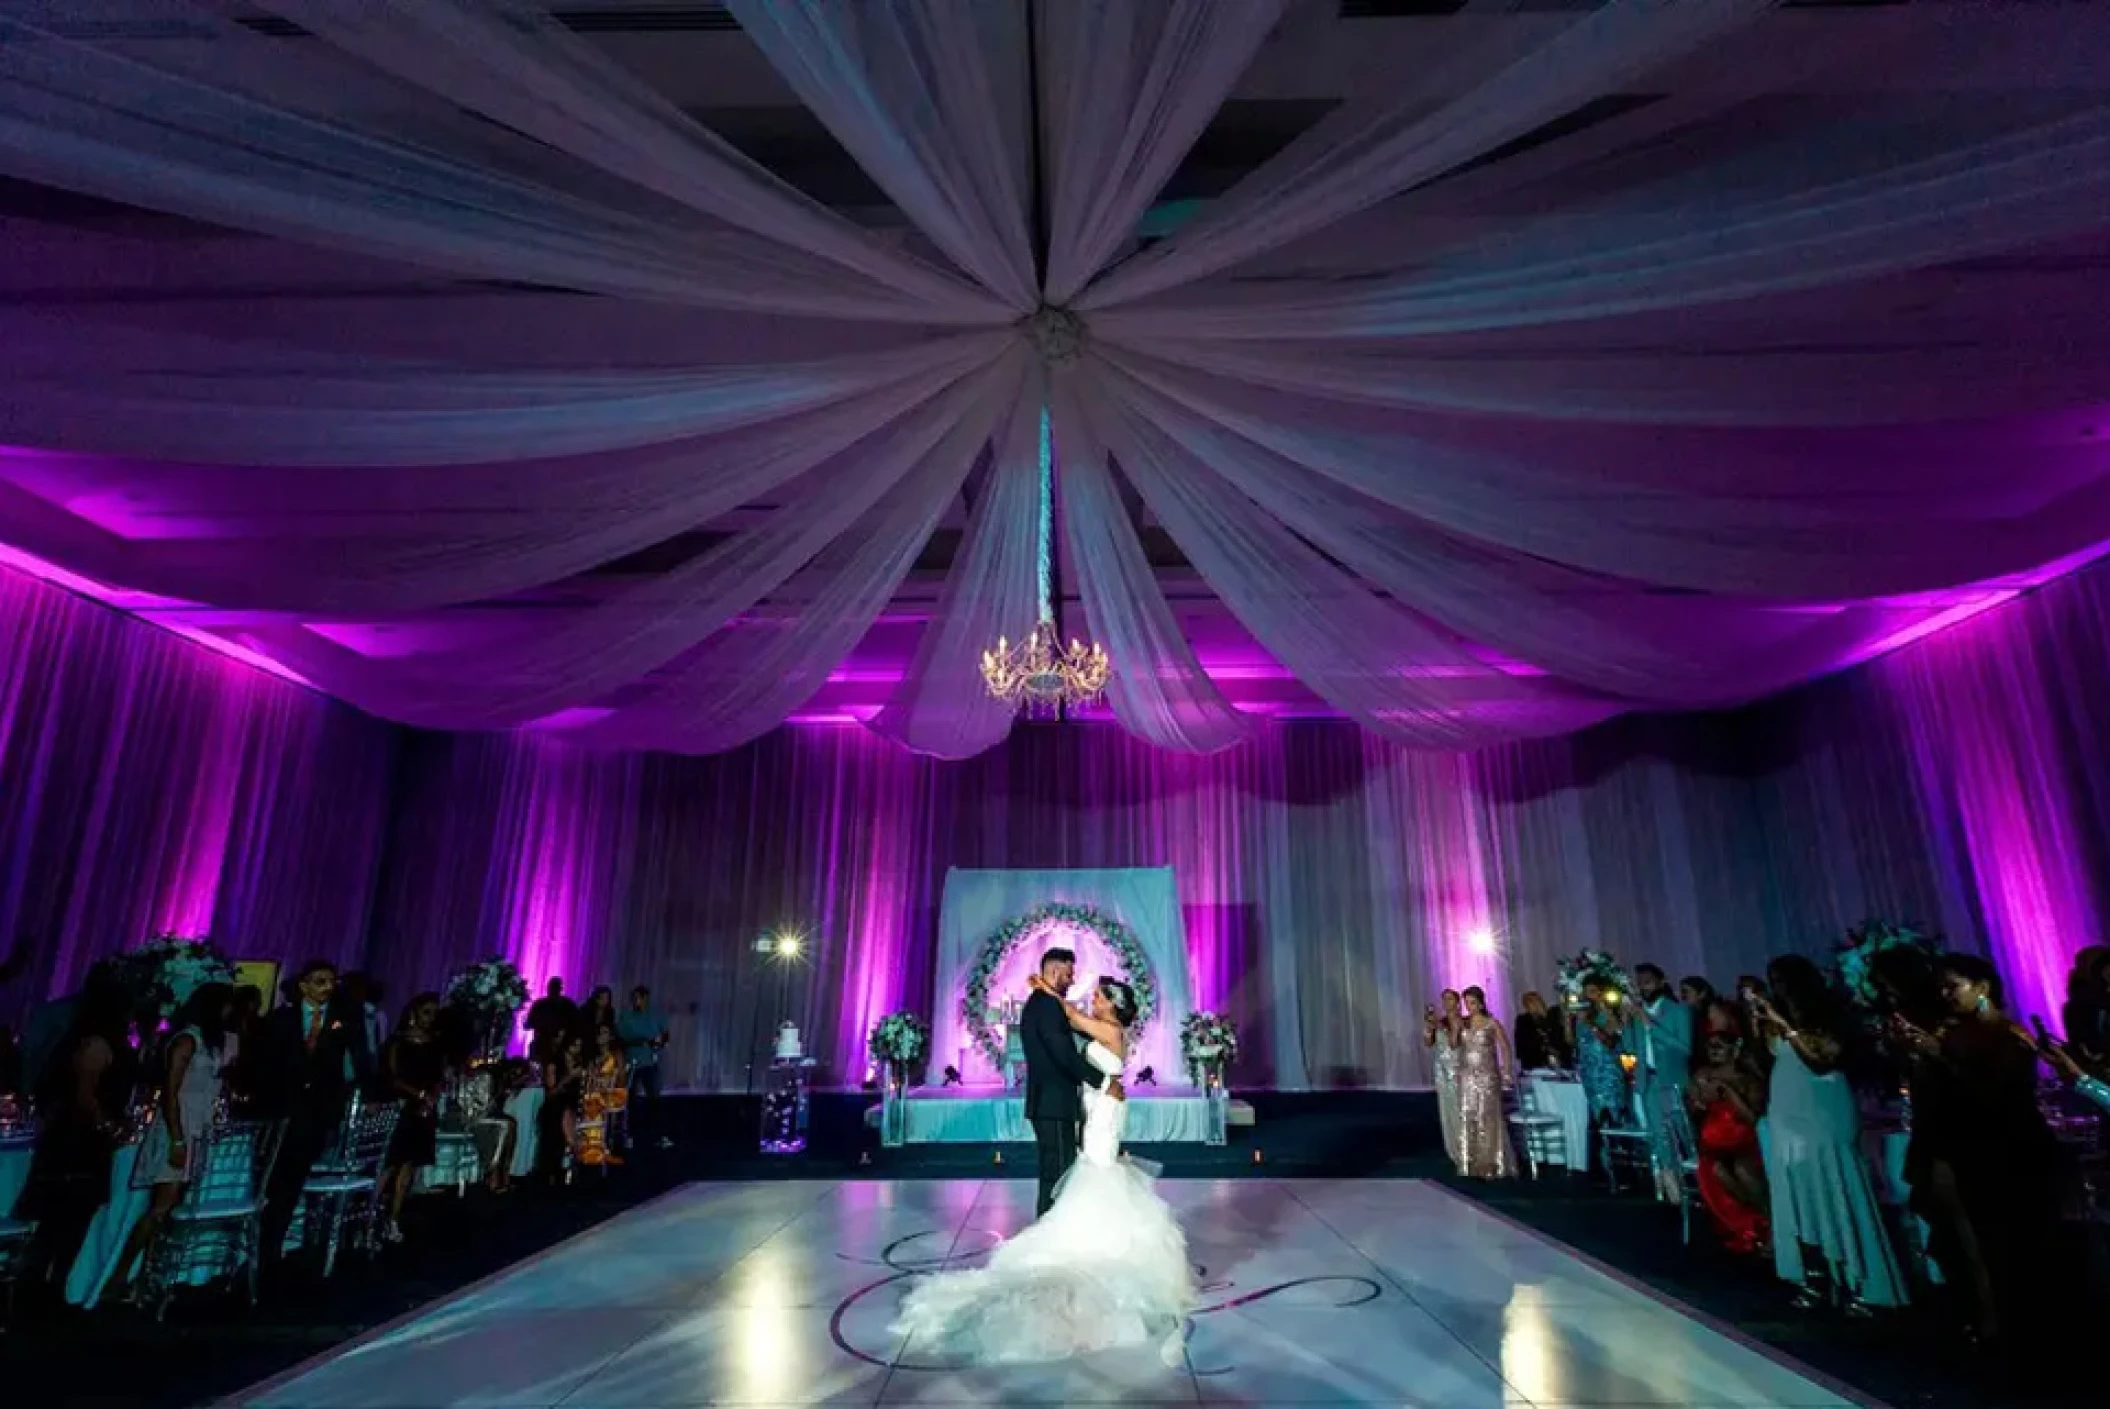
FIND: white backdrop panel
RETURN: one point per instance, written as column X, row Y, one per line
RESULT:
column 1145, row 899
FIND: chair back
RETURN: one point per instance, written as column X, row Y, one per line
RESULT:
column 469, row 1098
column 368, row 1127
column 234, row 1164
column 1676, row 1124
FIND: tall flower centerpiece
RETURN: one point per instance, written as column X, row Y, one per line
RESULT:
column 168, row 968
column 490, row 994
column 1586, row 967
column 1871, row 947
column 1208, row 1046
column 899, row 1041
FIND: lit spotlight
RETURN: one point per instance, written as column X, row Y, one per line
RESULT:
column 789, row 945
column 1481, row 940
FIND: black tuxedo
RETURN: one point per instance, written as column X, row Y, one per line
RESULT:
column 1056, row 1075
column 308, row 1088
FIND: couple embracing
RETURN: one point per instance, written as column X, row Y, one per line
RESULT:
column 1105, row 1266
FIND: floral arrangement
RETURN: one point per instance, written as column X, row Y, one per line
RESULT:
column 169, row 968
column 1589, row 966
column 1854, row 962
column 1135, row 965
column 493, row 988
column 900, row 1039
column 1207, row 1040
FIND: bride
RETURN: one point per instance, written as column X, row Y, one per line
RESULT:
column 1105, row 1268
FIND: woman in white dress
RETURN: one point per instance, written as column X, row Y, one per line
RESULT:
column 196, row 1053
column 1105, row 1268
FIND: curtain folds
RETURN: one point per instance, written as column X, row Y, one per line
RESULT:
column 940, row 707
column 491, row 371
column 1159, row 692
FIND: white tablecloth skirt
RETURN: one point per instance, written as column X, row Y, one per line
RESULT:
column 1567, row 1100
column 1000, row 1118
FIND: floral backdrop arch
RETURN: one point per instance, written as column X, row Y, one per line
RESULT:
column 1050, row 922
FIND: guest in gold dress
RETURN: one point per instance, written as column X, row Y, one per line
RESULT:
column 1439, row 1033
column 1484, row 1062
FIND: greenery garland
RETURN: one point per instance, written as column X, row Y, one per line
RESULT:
column 974, row 1002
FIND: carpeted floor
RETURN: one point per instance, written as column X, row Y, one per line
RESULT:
column 209, row 1347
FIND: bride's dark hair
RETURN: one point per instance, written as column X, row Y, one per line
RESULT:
column 1123, row 999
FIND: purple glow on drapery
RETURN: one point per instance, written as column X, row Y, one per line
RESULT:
column 191, row 900
column 153, row 786
column 573, row 820
column 1989, row 761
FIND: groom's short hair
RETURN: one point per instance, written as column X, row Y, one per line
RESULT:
column 1057, row 956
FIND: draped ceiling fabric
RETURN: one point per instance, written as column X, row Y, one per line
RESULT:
column 1648, row 354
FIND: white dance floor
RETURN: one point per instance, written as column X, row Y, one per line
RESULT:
column 1319, row 1292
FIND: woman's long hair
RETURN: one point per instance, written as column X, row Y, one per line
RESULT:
column 1805, row 998
column 207, row 1009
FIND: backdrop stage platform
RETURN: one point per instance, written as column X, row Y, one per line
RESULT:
column 991, row 1115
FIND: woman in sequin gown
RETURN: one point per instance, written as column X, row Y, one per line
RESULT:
column 1483, row 1062
column 1439, row 1032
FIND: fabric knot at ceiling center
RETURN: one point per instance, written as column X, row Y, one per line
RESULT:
column 1057, row 335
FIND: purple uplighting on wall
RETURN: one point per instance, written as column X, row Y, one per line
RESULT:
column 1329, row 882
column 152, row 786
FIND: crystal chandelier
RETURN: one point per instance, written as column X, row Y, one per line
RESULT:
column 1039, row 675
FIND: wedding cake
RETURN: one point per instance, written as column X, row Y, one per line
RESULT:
column 789, row 1048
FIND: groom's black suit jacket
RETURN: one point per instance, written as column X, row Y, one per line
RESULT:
column 1056, row 1071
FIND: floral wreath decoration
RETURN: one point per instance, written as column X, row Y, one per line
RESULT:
column 974, row 1001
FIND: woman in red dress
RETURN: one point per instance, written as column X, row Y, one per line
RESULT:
column 1727, row 1098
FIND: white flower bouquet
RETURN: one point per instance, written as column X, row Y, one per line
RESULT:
column 1208, row 1042
column 900, row 1040
column 168, row 968
column 493, row 988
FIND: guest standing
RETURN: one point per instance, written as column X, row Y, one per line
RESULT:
column 1484, row 1066
column 1823, row 1203
column 1542, row 1037
column 1439, row 1032
column 361, row 997
column 1983, row 1165
column 2086, row 1015
column 549, row 1019
column 1598, row 1035
column 83, row 1098
column 598, row 1016
column 413, row 1069
column 563, row 1083
column 190, row 1093
column 1659, row 1038
column 644, row 1033
column 304, row 1077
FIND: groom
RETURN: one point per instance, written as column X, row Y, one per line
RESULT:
column 1056, row 1074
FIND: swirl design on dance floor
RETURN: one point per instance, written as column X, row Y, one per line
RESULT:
column 901, row 1269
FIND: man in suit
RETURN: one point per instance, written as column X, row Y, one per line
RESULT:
column 1056, row 1075
column 1660, row 1035
column 305, row 1079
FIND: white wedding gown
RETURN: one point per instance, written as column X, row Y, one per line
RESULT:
column 1107, row 1267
